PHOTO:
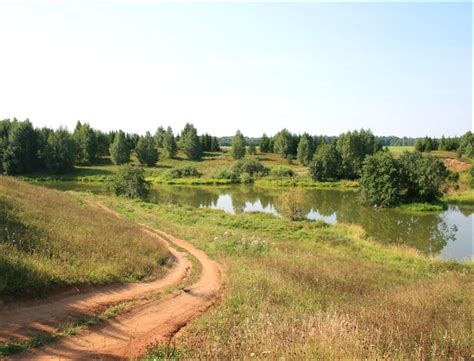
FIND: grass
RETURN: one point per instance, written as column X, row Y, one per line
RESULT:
column 53, row 239
column 422, row 207
column 464, row 197
column 314, row 291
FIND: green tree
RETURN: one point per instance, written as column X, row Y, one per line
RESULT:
column 130, row 182
column 191, row 143
column 103, row 143
column 305, row 149
column 86, row 141
column 283, row 143
column 419, row 146
column 251, row 150
column 147, row 152
column 215, row 146
column 21, row 153
column 60, row 151
column 466, row 145
column 264, row 144
column 380, row 182
column 119, row 149
column 326, row 164
column 238, row 146
column 159, row 137
column 169, row 143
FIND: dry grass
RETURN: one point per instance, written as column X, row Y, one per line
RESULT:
column 305, row 290
column 49, row 238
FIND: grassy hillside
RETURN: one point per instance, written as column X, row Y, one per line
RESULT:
column 307, row 290
column 49, row 238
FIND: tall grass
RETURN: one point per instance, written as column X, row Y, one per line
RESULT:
column 49, row 238
column 308, row 290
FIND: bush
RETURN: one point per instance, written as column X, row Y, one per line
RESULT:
column 281, row 171
column 225, row 173
column 246, row 178
column 182, row 172
column 130, row 182
column 381, row 183
column 250, row 166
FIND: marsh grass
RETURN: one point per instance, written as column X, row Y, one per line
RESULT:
column 52, row 239
column 308, row 290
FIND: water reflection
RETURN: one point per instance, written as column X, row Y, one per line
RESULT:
column 448, row 233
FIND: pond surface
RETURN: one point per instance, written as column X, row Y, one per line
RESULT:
column 447, row 234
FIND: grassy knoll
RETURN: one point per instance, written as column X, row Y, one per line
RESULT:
column 50, row 238
column 310, row 290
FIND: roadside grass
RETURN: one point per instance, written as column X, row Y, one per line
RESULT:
column 52, row 239
column 310, row 290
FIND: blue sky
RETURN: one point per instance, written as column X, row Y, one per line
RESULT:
column 399, row 69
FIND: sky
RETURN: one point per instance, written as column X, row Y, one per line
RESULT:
column 397, row 68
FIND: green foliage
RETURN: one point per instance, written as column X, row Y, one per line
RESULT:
column 60, row 151
column 119, row 149
column 419, row 146
column 182, row 172
column 238, row 146
column 159, row 137
column 147, row 152
column 86, row 140
column 326, row 164
column 466, row 145
column 293, row 204
column 226, row 173
column 353, row 148
column 283, row 143
column 103, row 143
column 251, row 150
column 130, row 182
column 281, row 171
column 190, row 143
column 169, row 143
column 246, row 178
column 289, row 158
column 305, row 149
column 21, row 153
column 381, row 183
column 249, row 165
column 422, row 176
column 265, row 144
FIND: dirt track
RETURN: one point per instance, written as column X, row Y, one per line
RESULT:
column 128, row 335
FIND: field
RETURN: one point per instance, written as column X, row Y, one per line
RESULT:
column 50, row 239
column 310, row 290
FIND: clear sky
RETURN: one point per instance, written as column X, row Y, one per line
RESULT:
column 399, row 69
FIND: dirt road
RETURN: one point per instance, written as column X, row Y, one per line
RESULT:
column 131, row 334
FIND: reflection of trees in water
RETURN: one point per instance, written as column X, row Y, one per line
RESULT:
column 428, row 233
column 466, row 210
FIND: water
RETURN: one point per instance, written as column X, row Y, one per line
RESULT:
column 447, row 234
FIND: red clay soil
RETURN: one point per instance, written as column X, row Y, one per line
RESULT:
column 131, row 334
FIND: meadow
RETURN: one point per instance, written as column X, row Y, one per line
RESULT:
column 310, row 290
column 51, row 239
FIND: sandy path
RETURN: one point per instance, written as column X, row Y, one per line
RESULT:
column 131, row 334
column 21, row 320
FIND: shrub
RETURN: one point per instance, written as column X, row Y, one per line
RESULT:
column 182, row 172
column 246, row 178
column 292, row 205
column 250, row 166
column 225, row 173
column 130, row 182
column 381, row 183
column 281, row 171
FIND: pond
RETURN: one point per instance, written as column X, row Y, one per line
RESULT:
column 447, row 234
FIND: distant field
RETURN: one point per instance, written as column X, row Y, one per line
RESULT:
column 50, row 238
column 401, row 149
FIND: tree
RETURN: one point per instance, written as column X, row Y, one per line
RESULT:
column 169, row 143
column 215, row 146
column 419, row 146
column 130, row 182
column 251, row 150
column 191, row 143
column 119, row 149
column 21, row 153
column 86, row 141
column 238, row 146
column 381, row 180
column 293, row 204
column 326, row 164
column 305, row 149
column 283, row 143
column 147, row 152
column 60, row 151
column 466, row 145
column 159, row 136
column 422, row 176
column 103, row 143
column 264, row 144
